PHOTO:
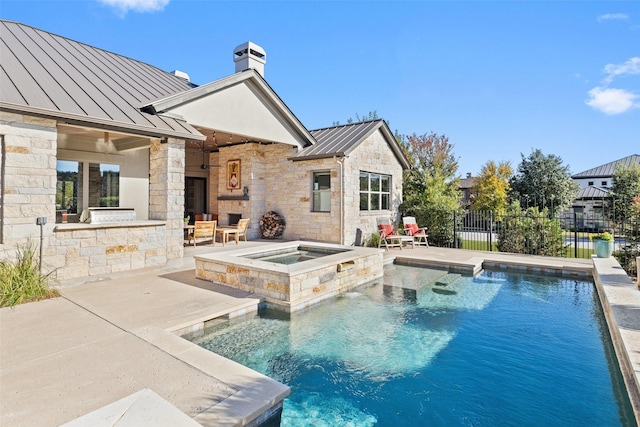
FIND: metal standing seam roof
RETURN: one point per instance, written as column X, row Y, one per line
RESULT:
column 342, row 140
column 608, row 169
column 592, row 192
column 52, row 76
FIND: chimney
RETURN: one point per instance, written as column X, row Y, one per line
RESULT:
column 181, row 74
column 249, row 55
column 468, row 174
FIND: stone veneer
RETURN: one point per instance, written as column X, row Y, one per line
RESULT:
column 73, row 251
column 295, row 286
column 166, row 191
column 84, row 250
column 29, row 180
column 277, row 183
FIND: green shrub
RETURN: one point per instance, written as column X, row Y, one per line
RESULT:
column 374, row 241
column 21, row 281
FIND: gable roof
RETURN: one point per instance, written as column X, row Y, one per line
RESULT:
column 339, row 141
column 242, row 103
column 608, row 169
column 51, row 76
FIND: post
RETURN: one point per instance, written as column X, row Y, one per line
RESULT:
column 490, row 231
column 455, row 229
column 575, row 234
column 41, row 221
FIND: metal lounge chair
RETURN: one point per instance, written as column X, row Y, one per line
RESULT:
column 411, row 228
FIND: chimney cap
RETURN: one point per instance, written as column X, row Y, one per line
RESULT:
column 181, row 74
column 249, row 55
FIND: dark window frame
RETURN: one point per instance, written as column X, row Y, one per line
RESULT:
column 319, row 191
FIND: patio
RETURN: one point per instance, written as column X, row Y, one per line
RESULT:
column 72, row 355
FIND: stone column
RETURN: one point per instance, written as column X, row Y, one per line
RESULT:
column 166, row 191
column 29, row 181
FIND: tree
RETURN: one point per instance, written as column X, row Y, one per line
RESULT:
column 544, row 182
column 530, row 231
column 373, row 115
column 626, row 186
column 492, row 186
column 430, row 187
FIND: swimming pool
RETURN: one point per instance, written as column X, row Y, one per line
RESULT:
column 424, row 348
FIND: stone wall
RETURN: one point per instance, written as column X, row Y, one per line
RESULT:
column 78, row 250
column 85, row 250
column 279, row 184
column 373, row 155
column 29, row 180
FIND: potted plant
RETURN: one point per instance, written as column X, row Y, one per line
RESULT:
column 603, row 244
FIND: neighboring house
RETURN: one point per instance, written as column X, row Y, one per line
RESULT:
column 83, row 128
column 595, row 185
column 466, row 186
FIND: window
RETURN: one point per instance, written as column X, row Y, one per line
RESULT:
column 604, row 183
column 590, row 183
column 81, row 185
column 321, row 192
column 375, row 193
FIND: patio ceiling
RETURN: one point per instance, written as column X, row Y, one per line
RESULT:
column 99, row 140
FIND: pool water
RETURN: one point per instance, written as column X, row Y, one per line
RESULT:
column 294, row 255
column 421, row 348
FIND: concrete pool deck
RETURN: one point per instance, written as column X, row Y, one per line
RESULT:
column 107, row 352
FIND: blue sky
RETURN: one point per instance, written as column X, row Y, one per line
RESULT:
column 499, row 78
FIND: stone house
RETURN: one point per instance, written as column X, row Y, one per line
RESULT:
column 113, row 153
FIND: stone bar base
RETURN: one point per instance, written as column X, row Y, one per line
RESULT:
column 84, row 250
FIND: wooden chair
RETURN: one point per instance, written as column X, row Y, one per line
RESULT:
column 203, row 230
column 390, row 237
column 238, row 230
column 411, row 228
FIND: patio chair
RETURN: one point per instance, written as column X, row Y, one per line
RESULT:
column 411, row 228
column 239, row 230
column 390, row 237
column 203, row 230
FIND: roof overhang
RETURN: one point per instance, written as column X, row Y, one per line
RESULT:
column 242, row 103
column 185, row 130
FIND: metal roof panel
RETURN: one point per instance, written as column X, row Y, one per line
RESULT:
column 54, row 76
column 608, row 169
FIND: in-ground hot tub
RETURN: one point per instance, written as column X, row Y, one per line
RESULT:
column 292, row 275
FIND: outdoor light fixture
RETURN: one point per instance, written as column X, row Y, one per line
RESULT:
column 41, row 221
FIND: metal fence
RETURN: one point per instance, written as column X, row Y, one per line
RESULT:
column 566, row 234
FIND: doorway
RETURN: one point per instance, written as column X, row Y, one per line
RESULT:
column 195, row 197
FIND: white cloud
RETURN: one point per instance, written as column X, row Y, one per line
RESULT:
column 613, row 17
column 632, row 66
column 136, row 5
column 612, row 101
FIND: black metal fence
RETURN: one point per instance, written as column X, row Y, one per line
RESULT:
column 565, row 235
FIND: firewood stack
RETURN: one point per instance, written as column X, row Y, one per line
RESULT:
column 272, row 225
